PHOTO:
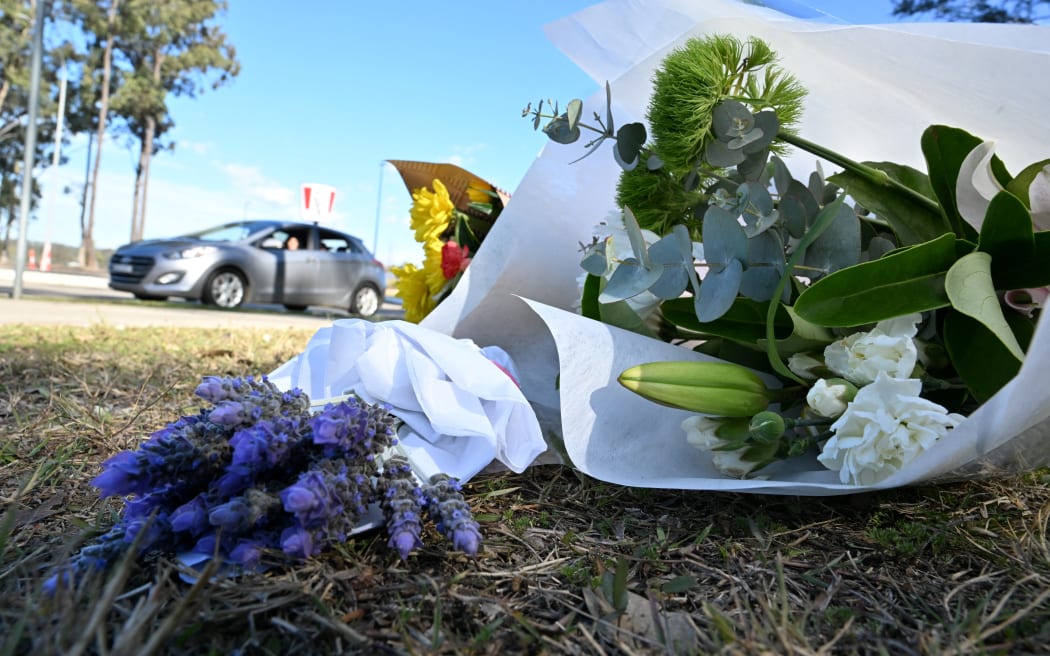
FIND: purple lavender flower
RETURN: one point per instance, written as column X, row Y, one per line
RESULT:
column 248, row 553
column 353, row 429
column 124, row 473
column 191, row 516
column 299, row 542
column 309, row 499
column 401, row 500
column 451, row 514
column 244, row 512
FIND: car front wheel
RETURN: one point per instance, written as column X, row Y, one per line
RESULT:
column 225, row 288
column 366, row 301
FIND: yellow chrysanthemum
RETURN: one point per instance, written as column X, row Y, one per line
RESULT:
column 431, row 212
column 435, row 277
column 416, row 297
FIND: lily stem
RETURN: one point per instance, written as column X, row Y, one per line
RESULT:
column 871, row 174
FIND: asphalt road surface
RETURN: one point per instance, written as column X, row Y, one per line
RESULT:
column 50, row 298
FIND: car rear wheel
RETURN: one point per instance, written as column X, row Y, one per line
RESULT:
column 365, row 301
column 225, row 288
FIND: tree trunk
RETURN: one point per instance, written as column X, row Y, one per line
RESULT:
column 138, row 214
column 147, row 149
column 138, row 203
column 87, row 238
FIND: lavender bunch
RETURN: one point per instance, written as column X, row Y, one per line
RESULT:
column 451, row 513
column 258, row 474
column 402, row 501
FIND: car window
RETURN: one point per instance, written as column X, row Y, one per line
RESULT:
column 334, row 242
column 228, row 232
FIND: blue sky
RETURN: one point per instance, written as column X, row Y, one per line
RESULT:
column 329, row 90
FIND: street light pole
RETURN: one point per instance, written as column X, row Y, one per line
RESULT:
column 379, row 209
column 27, row 167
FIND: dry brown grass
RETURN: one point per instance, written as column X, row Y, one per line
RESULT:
column 570, row 564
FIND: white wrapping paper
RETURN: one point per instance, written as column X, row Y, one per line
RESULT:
column 460, row 409
column 873, row 89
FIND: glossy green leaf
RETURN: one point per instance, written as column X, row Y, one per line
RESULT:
column 971, row 292
column 905, row 281
column 589, row 305
column 979, row 357
column 1019, row 185
column 1023, row 273
column 945, row 148
column 744, row 321
column 912, row 222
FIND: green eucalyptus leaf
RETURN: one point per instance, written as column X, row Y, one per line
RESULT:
column 594, row 260
column 627, row 281
column 945, row 148
column 838, row 247
column 559, row 130
column 573, row 111
column 905, row 281
column 765, row 266
column 913, row 223
column 629, row 141
column 719, row 155
column 781, row 175
column 971, row 292
column 718, row 291
column 979, row 357
column 798, row 207
column 766, row 122
column 634, row 234
column 672, row 254
column 724, row 238
column 731, row 119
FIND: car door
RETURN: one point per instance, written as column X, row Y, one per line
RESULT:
column 340, row 267
column 296, row 266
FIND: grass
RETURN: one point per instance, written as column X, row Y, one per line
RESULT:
column 570, row 565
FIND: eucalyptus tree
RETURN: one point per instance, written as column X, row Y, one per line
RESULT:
column 173, row 48
column 977, row 11
column 99, row 21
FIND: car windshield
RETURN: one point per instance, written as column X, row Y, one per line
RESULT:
column 230, row 231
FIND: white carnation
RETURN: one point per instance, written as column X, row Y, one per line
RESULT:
column 828, row 398
column 701, row 432
column 885, row 427
column 888, row 348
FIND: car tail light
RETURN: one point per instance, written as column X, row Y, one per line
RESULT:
column 378, row 263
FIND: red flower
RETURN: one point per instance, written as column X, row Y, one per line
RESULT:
column 453, row 259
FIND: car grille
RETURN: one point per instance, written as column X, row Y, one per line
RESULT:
column 129, row 268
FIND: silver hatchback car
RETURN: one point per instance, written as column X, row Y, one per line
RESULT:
column 293, row 264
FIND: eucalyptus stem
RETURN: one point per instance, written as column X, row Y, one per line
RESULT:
column 873, row 175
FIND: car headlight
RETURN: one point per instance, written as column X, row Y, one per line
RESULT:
column 189, row 253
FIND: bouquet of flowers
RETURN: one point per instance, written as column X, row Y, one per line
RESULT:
column 260, row 476
column 452, row 212
column 858, row 317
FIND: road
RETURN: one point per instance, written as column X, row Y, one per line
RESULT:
column 50, row 298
